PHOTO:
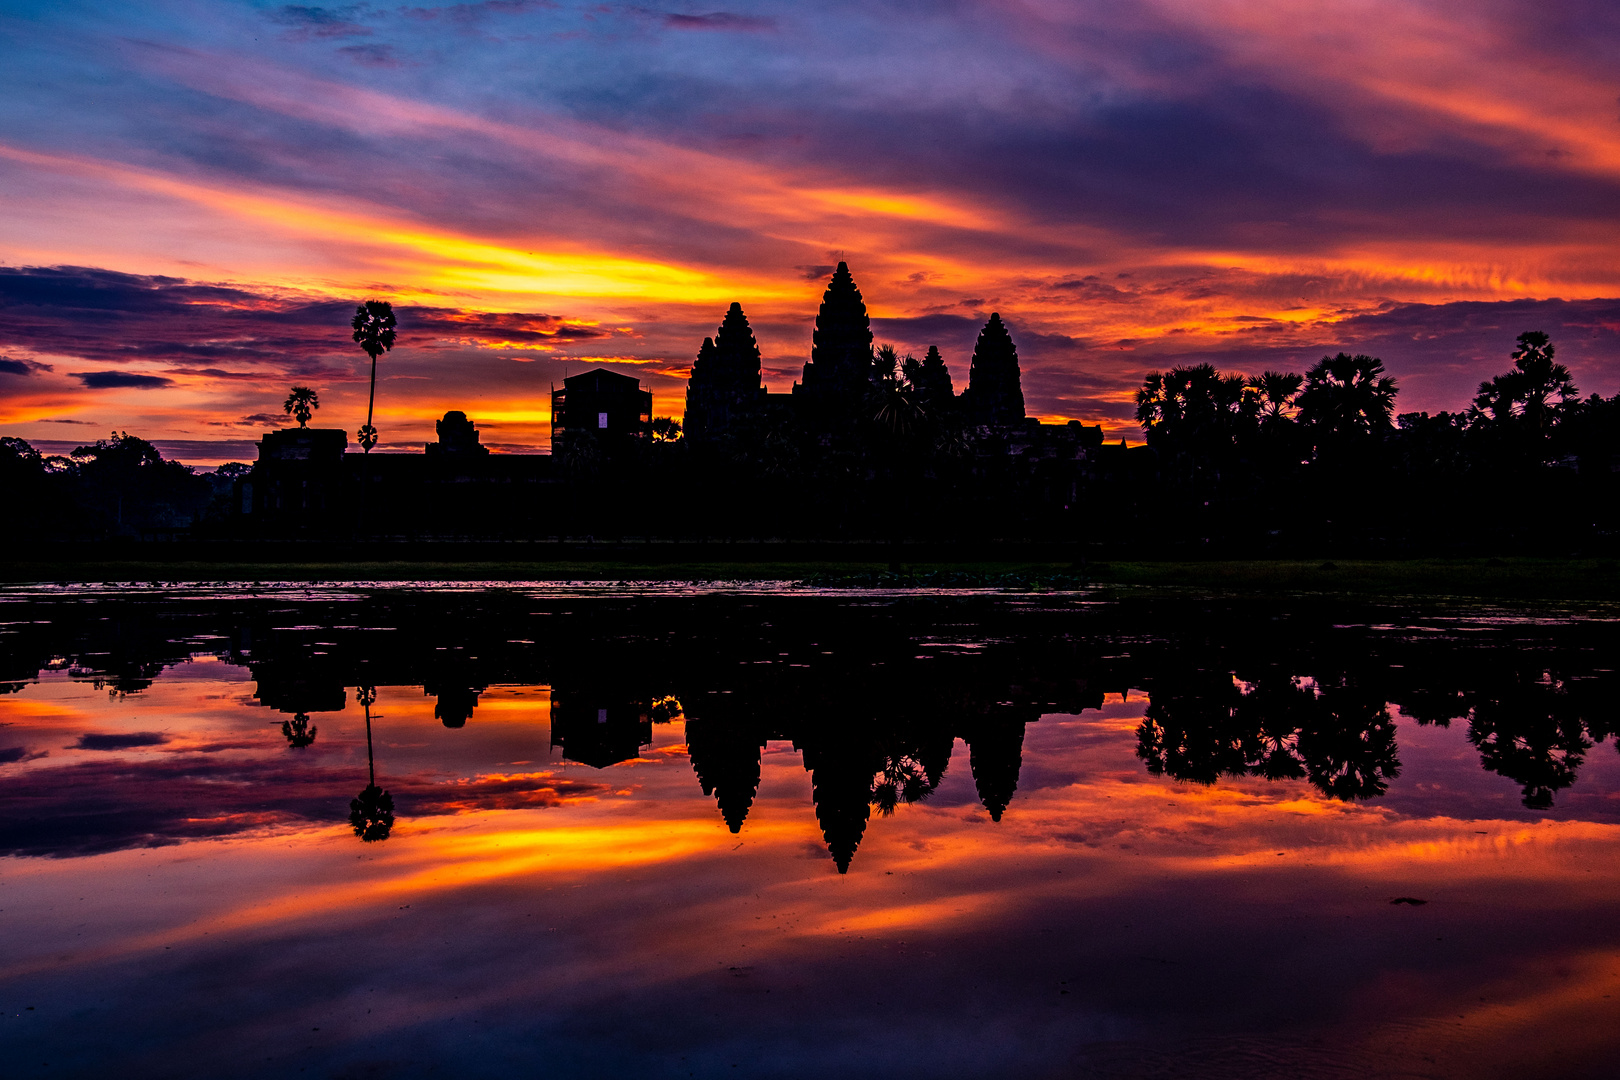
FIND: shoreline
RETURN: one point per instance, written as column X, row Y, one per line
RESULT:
column 1518, row 578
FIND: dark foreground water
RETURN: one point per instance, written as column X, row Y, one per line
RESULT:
column 765, row 834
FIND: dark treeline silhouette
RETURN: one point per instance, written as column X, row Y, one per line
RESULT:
column 118, row 487
column 1324, row 458
column 872, row 445
column 874, row 698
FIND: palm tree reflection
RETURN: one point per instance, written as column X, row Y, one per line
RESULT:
column 912, row 768
column 298, row 731
column 371, row 813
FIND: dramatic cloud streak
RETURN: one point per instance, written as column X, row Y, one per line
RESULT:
column 99, row 806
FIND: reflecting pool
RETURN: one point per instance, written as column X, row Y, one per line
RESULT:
column 382, row 831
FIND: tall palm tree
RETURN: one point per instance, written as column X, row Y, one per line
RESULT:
column 301, row 404
column 897, row 410
column 373, row 325
column 371, row 813
column 1197, row 418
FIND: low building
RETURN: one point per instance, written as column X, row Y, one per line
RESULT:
column 306, row 486
column 297, row 482
column 601, row 403
column 598, row 727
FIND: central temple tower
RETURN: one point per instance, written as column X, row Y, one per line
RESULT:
column 840, row 366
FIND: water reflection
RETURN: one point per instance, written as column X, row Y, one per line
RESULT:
column 872, row 695
column 298, row 731
column 1334, row 731
column 1064, row 825
column 371, row 813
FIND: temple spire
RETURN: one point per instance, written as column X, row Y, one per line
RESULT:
column 933, row 379
column 736, row 350
column 995, row 394
column 841, row 354
column 727, row 763
column 725, row 388
column 995, row 756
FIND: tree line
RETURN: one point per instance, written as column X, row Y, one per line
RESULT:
column 1275, row 463
column 1324, row 456
column 120, row 486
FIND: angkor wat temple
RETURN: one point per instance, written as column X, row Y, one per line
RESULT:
column 853, row 392
column 846, row 381
column 867, row 445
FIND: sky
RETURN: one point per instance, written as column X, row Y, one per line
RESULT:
column 197, row 194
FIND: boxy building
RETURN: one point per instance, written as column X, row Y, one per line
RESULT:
column 298, row 480
column 602, row 404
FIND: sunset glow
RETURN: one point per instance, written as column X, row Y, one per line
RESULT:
column 1360, row 180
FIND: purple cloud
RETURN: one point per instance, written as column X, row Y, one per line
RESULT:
column 120, row 380
column 120, row 742
column 317, row 23
column 104, row 805
column 719, row 20
column 104, row 316
column 381, row 56
column 8, row 366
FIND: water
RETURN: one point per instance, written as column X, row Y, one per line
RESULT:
column 759, row 832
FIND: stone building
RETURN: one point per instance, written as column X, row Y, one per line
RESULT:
column 297, row 483
column 602, row 404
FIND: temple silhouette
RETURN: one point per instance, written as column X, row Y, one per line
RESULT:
column 881, row 703
column 869, row 447
column 726, row 397
column 866, row 444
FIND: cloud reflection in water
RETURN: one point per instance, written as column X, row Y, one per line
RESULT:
column 528, row 907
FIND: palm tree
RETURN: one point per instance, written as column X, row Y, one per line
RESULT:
column 1190, row 404
column 1347, row 396
column 1276, row 391
column 1196, row 417
column 904, row 775
column 899, row 412
column 1527, row 391
column 1349, row 746
column 301, row 404
column 373, row 325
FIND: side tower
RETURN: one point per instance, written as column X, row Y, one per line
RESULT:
column 995, row 394
column 932, row 380
column 725, row 389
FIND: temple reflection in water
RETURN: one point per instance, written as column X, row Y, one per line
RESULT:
column 873, row 732
column 871, row 693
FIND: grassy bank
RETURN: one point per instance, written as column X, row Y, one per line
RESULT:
column 1512, row 578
